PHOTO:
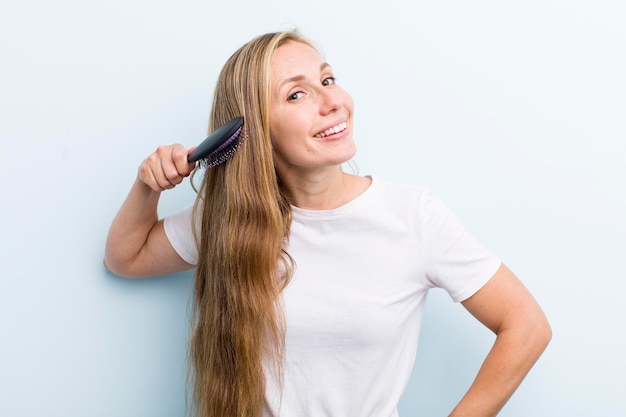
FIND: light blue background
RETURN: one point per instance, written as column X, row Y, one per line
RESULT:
column 513, row 112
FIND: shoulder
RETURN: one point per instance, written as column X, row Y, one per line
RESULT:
column 407, row 196
column 417, row 207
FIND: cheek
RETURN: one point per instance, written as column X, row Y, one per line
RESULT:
column 280, row 120
column 276, row 138
column 276, row 132
column 285, row 132
column 280, row 143
column 347, row 101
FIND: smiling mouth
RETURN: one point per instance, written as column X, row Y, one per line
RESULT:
column 331, row 131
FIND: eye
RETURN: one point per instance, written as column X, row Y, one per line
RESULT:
column 295, row 96
column 328, row 81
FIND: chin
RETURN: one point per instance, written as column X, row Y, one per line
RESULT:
column 349, row 152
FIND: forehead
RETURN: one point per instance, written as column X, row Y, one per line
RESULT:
column 292, row 59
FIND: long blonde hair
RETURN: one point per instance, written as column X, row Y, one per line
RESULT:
column 238, row 324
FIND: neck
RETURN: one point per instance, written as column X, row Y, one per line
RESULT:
column 325, row 190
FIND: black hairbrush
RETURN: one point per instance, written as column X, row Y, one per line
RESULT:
column 220, row 145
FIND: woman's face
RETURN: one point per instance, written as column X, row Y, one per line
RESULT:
column 310, row 115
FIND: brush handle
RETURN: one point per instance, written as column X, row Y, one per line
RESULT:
column 216, row 139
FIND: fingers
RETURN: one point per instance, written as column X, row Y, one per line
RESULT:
column 166, row 167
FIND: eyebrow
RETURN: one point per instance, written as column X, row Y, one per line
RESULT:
column 297, row 78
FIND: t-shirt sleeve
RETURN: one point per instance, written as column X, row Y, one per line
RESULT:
column 457, row 262
column 178, row 229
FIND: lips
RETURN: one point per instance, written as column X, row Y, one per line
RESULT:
column 332, row 130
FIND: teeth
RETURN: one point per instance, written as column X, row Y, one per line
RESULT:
column 332, row 130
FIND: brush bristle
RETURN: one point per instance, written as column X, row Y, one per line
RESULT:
column 225, row 151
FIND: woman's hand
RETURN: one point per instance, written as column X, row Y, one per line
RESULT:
column 166, row 167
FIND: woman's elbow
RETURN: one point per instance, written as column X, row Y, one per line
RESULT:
column 543, row 333
column 537, row 334
column 118, row 268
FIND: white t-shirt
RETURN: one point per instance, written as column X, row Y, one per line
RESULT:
column 354, row 304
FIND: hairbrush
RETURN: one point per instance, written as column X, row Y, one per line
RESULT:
column 220, row 145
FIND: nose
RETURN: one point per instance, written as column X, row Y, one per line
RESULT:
column 330, row 100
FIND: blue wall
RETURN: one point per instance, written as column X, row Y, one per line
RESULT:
column 513, row 113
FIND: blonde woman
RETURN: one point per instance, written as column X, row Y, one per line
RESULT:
column 309, row 281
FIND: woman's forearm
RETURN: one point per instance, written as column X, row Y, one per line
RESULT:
column 513, row 354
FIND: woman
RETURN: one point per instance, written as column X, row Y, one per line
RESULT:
column 310, row 282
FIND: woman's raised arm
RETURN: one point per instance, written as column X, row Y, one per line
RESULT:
column 136, row 243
